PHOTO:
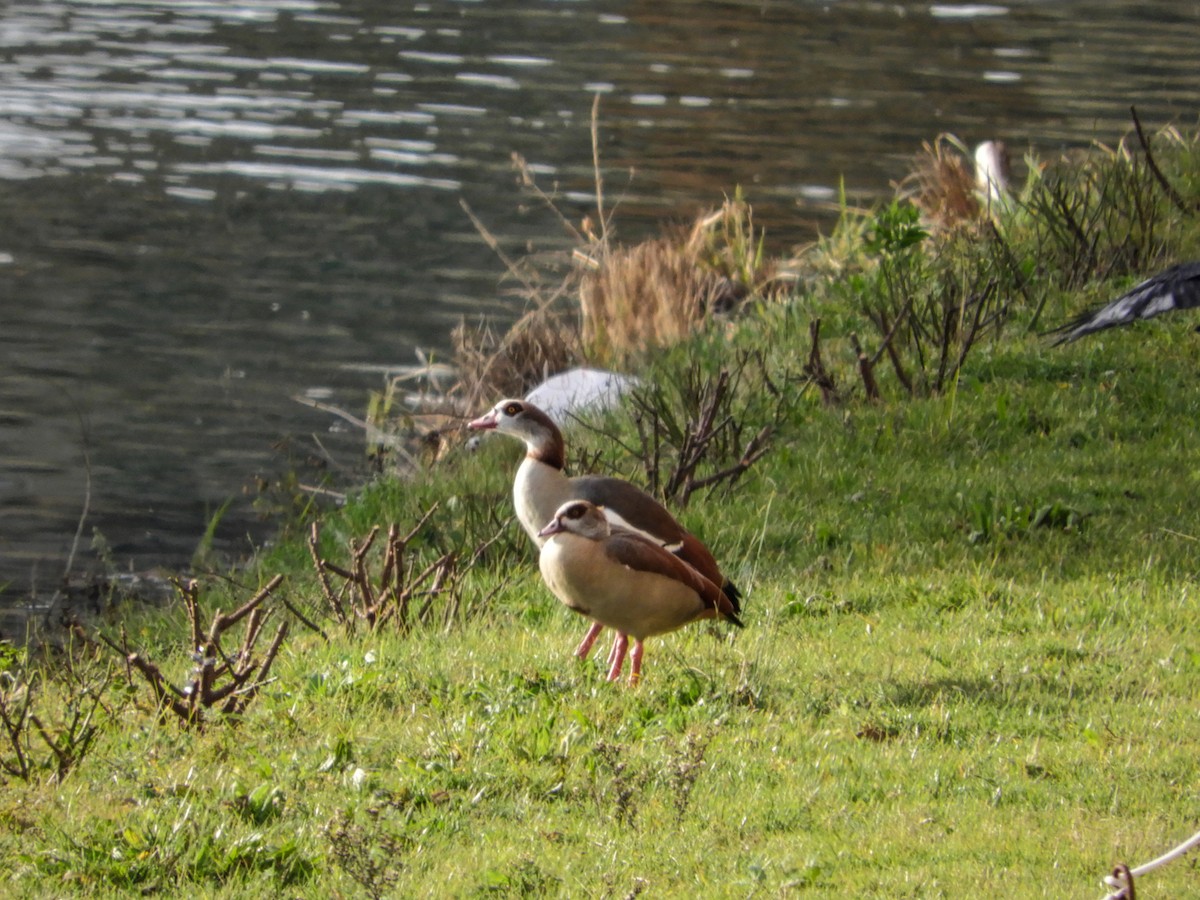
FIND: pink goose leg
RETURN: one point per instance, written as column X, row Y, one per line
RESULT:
column 635, row 663
column 619, row 647
column 612, row 651
column 585, row 646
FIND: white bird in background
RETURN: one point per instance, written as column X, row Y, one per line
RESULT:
column 541, row 487
column 624, row 581
column 993, row 173
column 1176, row 288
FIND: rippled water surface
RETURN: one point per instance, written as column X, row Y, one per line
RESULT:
column 207, row 208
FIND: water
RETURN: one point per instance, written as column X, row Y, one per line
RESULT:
column 210, row 208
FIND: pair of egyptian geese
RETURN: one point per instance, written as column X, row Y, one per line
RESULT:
column 609, row 551
column 614, row 554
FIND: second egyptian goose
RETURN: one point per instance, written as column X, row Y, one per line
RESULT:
column 624, row 581
column 542, row 486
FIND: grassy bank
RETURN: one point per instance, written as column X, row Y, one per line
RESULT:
column 969, row 666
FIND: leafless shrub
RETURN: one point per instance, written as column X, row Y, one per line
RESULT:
column 710, row 432
column 685, row 769
column 404, row 588
column 700, row 430
column 1098, row 214
column 1172, row 136
column 930, row 301
column 16, row 709
column 816, row 370
column 65, row 723
column 218, row 681
column 371, row 857
column 70, row 736
column 939, row 325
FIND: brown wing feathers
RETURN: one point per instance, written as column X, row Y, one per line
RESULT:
column 654, row 518
column 643, row 556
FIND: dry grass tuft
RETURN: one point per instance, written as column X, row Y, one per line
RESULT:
column 615, row 303
column 618, row 303
column 942, row 184
column 727, row 243
column 657, row 293
column 542, row 343
column 636, row 298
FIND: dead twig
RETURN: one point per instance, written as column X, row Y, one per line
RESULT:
column 333, row 600
column 755, row 450
column 866, row 369
column 16, row 702
column 1169, row 189
column 304, row 620
column 815, row 367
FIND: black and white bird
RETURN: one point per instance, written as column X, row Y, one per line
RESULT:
column 542, row 486
column 1176, row 288
column 622, row 580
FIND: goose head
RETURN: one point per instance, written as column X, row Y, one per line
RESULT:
column 527, row 423
column 578, row 517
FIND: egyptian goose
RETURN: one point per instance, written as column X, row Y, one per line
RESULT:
column 541, row 487
column 624, row 581
column 1175, row 288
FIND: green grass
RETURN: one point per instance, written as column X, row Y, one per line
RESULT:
column 958, row 735
column 970, row 669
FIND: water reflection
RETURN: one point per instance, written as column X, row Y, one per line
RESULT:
column 206, row 208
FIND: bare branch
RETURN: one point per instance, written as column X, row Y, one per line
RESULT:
column 1169, row 189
